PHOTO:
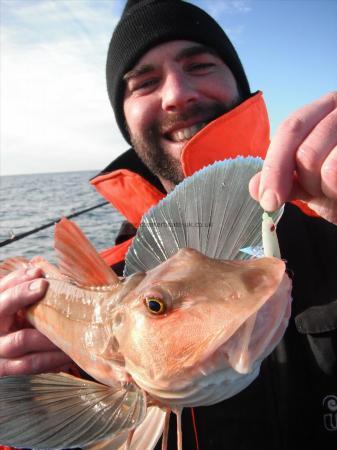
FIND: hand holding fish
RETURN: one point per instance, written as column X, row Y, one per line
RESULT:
column 190, row 330
column 23, row 349
column 301, row 162
column 131, row 335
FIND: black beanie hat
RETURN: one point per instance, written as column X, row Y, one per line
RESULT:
column 147, row 23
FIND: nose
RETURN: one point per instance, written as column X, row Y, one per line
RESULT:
column 178, row 91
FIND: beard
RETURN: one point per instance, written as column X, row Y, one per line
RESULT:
column 154, row 156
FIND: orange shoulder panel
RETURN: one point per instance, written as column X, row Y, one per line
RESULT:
column 129, row 193
column 305, row 208
column 117, row 253
column 242, row 131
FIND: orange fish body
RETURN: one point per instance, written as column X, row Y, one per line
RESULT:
column 183, row 329
column 192, row 331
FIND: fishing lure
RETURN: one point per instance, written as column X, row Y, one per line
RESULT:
column 187, row 326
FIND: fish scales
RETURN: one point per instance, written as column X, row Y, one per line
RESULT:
column 190, row 331
column 188, row 355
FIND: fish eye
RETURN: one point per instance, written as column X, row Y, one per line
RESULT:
column 155, row 305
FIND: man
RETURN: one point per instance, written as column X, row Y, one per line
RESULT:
column 170, row 71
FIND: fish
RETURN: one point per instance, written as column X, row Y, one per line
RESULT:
column 191, row 331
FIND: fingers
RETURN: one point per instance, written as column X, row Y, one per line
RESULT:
column 329, row 174
column 70, row 367
column 33, row 363
column 296, row 192
column 25, row 350
column 254, row 186
column 22, row 342
column 303, row 143
column 17, row 292
column 314, row 157
column 19, row 276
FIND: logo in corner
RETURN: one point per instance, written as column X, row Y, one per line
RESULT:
column 330, row 418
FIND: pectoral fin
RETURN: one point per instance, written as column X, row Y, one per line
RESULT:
column 61, row 411
column 115, row 443
column 145, row 437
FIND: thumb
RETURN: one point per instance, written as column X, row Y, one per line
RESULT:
column 254, row 185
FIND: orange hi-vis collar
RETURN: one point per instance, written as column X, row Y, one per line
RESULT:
column 242, row 131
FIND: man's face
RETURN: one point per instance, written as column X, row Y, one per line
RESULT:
column 173, row 91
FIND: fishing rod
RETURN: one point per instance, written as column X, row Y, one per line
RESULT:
column 17, row 237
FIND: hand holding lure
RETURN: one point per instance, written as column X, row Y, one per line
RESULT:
column 188, row 325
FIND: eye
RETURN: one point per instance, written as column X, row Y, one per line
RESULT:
column 155, row 305
column 143, row 86
column 197, row 66
column 201, row 68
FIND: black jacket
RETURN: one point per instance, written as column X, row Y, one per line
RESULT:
column 293, row 402
column 292, row 405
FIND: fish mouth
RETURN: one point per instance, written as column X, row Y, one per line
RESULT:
column 221, row 363
column 257, row 336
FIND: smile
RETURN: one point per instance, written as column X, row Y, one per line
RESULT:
column 185, row 133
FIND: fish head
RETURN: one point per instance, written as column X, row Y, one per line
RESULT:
column 192, row 316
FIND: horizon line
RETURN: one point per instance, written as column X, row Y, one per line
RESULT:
column 48, row 173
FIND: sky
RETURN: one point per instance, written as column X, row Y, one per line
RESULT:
column 55, row 114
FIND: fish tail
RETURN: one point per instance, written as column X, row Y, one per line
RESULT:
column 19, row 262
column 11, row 264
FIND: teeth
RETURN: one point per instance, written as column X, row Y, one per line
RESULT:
column 186, row 133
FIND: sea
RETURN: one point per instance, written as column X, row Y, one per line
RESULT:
column 30, row 201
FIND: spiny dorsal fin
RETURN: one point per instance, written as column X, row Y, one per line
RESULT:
column 211, row 212
column 78, row 259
